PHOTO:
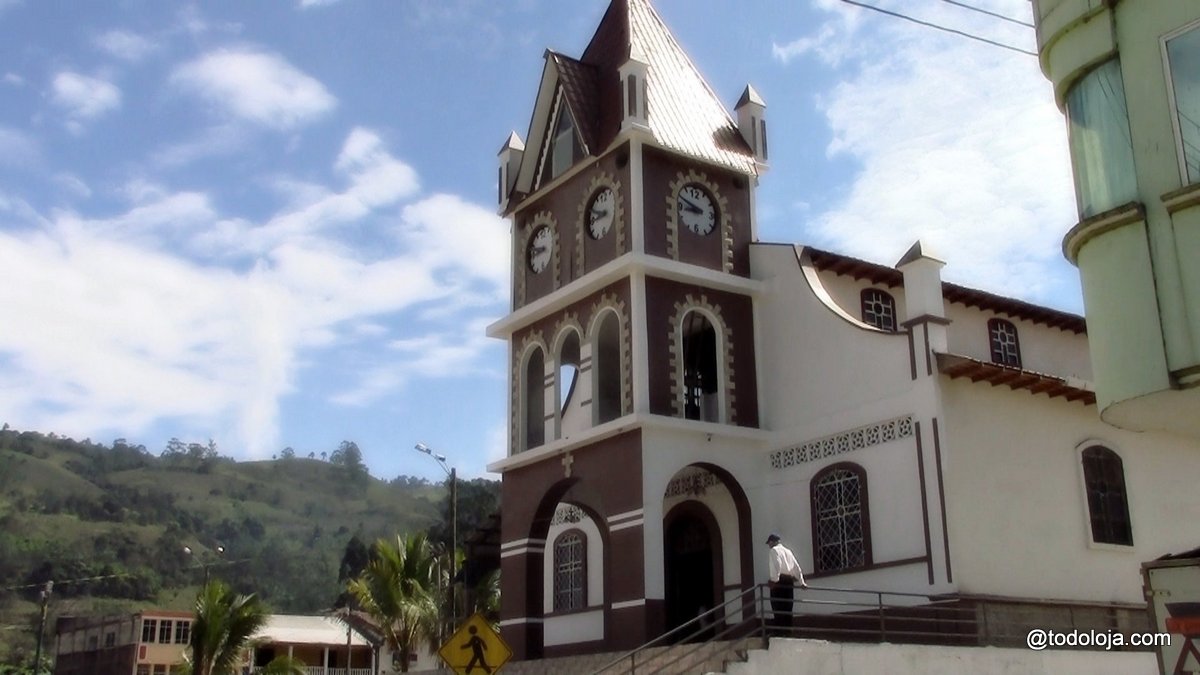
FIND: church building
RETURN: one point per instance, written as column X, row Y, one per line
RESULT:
column 678, row 390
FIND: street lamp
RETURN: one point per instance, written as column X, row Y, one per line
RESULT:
column 452, row 472
column 219, row 550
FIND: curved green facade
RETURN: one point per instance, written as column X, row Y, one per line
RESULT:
column 1125, row 74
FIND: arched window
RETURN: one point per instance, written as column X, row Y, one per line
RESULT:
column 700, row 385
column 1006, row 349
column 879, row 309
column 606, row 368
column 568, row 370
column 533, row 400
column 1108, row 504
column 570, row 571
column 841, row 522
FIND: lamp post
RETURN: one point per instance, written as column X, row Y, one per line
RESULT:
column 219, row 550
column 452, row 472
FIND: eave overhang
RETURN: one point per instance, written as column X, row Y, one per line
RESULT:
column 957, row 366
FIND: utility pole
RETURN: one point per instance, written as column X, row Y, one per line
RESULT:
column 37, row 655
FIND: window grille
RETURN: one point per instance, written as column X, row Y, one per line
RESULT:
column 1108, row 505
column 840, row 518
column 570, row 573
column 1006, row 349
column 700, row 399
column 879, row 309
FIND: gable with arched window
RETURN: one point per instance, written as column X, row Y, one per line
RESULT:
column 878, row 309
column 1006, row 348
column 1107, row 500
column 570, row 571
column 841, row 519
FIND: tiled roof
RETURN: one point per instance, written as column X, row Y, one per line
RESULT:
column 956, row 366
column 683, row 112
column 579, row 85
column 882, row 274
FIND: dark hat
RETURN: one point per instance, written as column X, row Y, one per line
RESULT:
column 772, row 538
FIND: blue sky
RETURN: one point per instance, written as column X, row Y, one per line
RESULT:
column 273, row 223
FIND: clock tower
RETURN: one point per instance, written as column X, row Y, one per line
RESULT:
column 632, row 372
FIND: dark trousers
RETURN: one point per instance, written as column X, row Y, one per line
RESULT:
column 782, row 604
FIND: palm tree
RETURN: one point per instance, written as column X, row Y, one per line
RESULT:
column 223, row 628
column 399, row 590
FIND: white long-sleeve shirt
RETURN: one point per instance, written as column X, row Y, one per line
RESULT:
column 780, row 561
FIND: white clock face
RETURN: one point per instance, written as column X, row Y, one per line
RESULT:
column 601, row 212
column 696, row 209
column 541, row 248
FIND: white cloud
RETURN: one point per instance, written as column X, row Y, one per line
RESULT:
column 256, row 86
column 84, row 98
column 142, row 316
column 305, row 4
column 13, row 79
column 959, row 143
column 125, row 45
column 439, row 225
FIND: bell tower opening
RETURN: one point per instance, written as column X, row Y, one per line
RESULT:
column 700, row 369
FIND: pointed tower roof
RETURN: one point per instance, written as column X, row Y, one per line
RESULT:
column 683, row 112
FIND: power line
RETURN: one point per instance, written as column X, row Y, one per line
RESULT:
column 939, row 27
column 69, row 581
column 981, row 10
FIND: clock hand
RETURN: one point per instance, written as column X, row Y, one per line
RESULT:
column 597, row 215
column 538, row 250
column 690, row 206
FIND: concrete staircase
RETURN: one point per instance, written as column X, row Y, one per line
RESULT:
column 697, row 659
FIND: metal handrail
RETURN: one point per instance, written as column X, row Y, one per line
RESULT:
column 674, row 633
column 929, row 618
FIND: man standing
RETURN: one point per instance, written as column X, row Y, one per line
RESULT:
column 783, row 573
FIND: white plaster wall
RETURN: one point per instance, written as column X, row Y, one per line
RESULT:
column 595, row 560
column 821, row 371
column 815, row 657
column 846, row 291
column 579, row 626
column 1043, row 349
column 572, row 628
column 1017, row 508
column 720, row 503
column 893, row 493
column 675, row 447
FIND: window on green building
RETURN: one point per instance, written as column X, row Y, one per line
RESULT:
column 1101, row 148
column 1183, row 63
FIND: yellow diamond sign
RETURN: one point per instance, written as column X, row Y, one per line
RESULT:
column 475, row 648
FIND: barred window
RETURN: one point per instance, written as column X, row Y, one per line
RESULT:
column 840, row 518
column 1108, row 505
column 1006, row 349
column 570, row 571
column 879, row 309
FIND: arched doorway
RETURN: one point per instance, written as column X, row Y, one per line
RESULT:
column 692, row 557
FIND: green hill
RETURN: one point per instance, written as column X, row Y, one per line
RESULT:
column 109, row 525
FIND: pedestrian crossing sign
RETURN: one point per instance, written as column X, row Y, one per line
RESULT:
column 475, row 649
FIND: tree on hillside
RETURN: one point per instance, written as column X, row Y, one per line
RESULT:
column 350, row 458
column 477, row 499
column 399, row 590
column 222, row 628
